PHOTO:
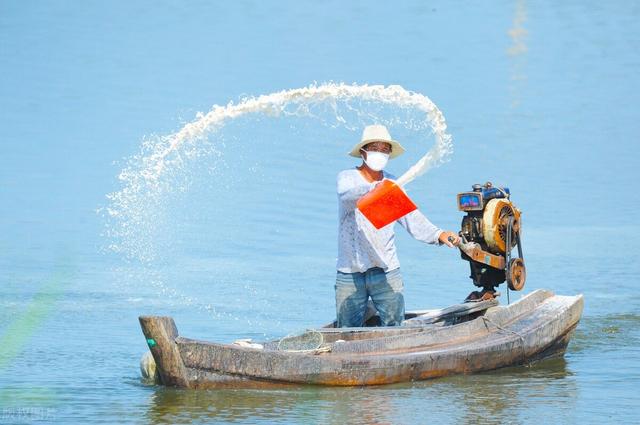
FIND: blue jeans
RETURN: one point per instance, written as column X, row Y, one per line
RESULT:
column 354, row 289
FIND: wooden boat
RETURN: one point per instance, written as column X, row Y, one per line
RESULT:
column 466, row 338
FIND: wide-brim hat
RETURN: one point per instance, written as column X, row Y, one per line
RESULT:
column 377, row 133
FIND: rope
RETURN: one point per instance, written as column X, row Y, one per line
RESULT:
column 520, row 337
column 314, row 351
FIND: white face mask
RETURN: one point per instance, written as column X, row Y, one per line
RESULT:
column 376, row 160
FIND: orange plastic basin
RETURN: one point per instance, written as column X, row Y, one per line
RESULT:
column 385, row 204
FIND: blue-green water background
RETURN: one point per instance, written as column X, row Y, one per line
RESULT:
column 542, row 97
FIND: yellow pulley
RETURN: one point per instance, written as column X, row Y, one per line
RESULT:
column 494, row 224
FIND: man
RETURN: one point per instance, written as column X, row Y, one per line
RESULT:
column 367, row 262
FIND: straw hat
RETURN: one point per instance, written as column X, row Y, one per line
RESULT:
column 377, row 133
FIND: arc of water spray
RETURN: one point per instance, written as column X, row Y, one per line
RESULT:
column 273, row 104
column 135, row 207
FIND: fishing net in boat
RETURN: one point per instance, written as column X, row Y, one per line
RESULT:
column 307, row 341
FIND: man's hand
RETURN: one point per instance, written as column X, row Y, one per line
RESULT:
column 450, row 239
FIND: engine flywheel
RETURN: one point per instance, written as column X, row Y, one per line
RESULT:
column 517, row 274
column 494, row 224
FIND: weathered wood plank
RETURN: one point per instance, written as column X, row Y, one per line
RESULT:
column 161, row 333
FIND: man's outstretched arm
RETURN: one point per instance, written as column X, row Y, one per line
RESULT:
column 420, row 228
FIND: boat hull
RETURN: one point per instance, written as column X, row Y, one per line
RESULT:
column 538, row 326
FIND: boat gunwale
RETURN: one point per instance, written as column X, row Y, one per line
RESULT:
column 460, row 332
column 499, row 335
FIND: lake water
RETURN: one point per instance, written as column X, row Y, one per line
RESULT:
column 239, row 240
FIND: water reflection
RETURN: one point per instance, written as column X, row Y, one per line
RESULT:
column 517, row 53
column 297, row 403
column 498, row 396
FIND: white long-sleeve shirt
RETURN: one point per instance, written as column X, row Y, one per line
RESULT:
column 360, row 245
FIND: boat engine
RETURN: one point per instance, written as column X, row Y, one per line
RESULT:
column 490, row 230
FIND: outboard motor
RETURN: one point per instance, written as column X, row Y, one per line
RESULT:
column 490, row 229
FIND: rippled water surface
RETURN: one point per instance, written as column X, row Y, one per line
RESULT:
column 239, row 237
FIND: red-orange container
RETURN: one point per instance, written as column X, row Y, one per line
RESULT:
column 385, row 204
